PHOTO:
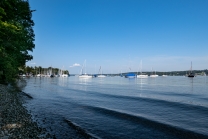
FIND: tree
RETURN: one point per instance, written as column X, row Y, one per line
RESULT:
column 16, row 37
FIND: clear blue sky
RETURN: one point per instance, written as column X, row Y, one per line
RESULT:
column 117, row 34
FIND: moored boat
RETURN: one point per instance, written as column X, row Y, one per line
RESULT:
column 100, row 75
column 190, row 73
column 154, row 75
column 141, row 75
column 130, row 75
column 86, row 76
column 64, row 75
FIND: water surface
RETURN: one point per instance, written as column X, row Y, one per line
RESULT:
column 115, row 107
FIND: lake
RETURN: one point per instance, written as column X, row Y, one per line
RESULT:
column 170, row 107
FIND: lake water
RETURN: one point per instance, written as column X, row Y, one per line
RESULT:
column 170, row 107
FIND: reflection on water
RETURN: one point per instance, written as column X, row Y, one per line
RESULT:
column 85, row 80
column 61, row 81
column 191, row 84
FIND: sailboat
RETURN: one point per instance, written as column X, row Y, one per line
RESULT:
column 48, row 74
column 85, row 75
column 63, row 74
column 154, row 75
column 130, row 74
column 190, row 73
column 141, row 75
column 51, row 73
column 121, row 75
column 100, row 75
column 164, row 75
column 39, row 74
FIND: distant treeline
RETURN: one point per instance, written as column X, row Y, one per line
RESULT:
column 176, row 73
column 40, row 70
column 16, row 37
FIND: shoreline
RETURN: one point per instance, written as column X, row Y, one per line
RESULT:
column 15, row 120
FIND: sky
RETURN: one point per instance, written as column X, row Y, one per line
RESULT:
column 116, row 35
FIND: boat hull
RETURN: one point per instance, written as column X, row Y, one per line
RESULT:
column 142, row 76
column 130, row 75
column 64, row 75
column 85, row 76
column 101, row 76
column 153, row 76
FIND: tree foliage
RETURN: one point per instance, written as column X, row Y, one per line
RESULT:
column 16, row 37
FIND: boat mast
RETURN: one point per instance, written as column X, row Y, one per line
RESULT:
column 85, row 66
column 152, row 71
column 99, row 70
column 81, row 72
column 191, row 66
column 141, row 68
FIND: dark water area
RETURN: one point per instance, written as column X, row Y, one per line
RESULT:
column 173, row 107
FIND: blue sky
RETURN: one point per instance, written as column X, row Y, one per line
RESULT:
column 117, row 34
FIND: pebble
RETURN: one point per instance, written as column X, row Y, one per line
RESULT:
column 15, row 120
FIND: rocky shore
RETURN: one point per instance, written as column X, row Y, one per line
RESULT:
column 15, row 120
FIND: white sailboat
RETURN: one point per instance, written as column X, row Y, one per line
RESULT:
column 63, row 74
column 164, row 75
column 190, row 73
column 85, row 75
column 141, row 75
column 101, row 75
column 48, row 74
column 154, row 75
column 39, row 74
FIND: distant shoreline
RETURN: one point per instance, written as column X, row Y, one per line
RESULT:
column 160, row 73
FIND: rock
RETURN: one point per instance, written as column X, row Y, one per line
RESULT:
column 2, row 134
column 5, row 137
